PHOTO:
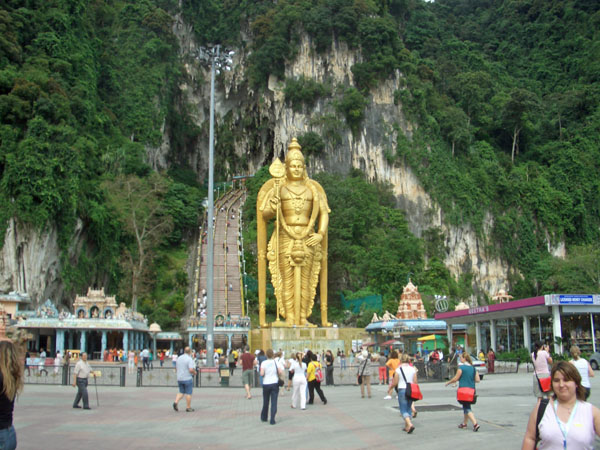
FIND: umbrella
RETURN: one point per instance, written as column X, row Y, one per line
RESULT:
column 429, row 337
column 367, row 344
column 390, row 342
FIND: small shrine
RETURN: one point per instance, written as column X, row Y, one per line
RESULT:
column 462, row 305
column 95, row 305
column 411, row 305
column 502, row 296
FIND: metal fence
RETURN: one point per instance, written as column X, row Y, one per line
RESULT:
column 116, row 375
column 108, row 375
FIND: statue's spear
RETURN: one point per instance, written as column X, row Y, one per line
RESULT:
column 277, row 171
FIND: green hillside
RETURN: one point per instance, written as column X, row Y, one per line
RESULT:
column 505, row 96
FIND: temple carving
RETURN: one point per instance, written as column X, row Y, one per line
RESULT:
column 411, row 305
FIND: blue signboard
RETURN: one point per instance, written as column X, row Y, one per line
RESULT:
column 572, row 299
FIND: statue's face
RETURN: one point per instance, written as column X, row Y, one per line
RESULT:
column 295, row 169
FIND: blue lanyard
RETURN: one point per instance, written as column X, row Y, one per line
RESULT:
column 564, row 430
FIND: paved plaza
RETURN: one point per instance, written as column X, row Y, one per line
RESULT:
column 142, row 418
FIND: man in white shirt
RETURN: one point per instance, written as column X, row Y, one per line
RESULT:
column 80, row 379
column 186, row 369
column 145, row 359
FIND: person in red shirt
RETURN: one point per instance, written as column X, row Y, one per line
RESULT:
column 248, row 363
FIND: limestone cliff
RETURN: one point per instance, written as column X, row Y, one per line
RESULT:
column 366, row 150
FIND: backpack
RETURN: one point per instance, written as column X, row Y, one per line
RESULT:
column 540, row 415
column 318, row 373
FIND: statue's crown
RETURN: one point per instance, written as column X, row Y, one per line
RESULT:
column 294, row 152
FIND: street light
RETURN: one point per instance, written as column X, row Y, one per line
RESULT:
column 212, row 56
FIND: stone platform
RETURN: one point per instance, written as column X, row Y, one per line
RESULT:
column 317, row 339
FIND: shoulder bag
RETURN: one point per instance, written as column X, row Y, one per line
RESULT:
column 280, row 381
column 318, row 373
column 360, row 377
column 466, row 394
column 413, row 391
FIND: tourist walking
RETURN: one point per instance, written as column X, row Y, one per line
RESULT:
column 467, row 376
column 405, row 373
column 57, row 362
column 270, row 371
column 566, row 421
column 11, row 384
column 329, row 359
column 491, row 357
column 314, row 376
column 130, row 361
column 145, row 359
column 541, row 367
column 81, row 374
column 248, row 363
column 260, row 357
column 382, row 368
column 392, row 364
column 342, row 361
column 186, row 369
column 584, row 369
column 364, row 373
column 299, row 382
column 232, row 362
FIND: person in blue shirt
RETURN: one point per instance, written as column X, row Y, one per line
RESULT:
column 467, row 376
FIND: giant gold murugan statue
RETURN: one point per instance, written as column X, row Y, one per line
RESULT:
column 297, row 249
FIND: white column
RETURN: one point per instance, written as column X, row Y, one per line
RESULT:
column 556, row 328
column 526, row 333
column 449, row 334
column 493, row 334
column 593, row 332
column 478, row 337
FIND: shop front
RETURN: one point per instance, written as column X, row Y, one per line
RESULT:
column 560, row 320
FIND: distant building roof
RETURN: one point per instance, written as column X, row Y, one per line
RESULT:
column 15, row 297
column 416, row 325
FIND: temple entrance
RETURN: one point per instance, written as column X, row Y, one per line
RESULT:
column 114, row 339
column 94, row 345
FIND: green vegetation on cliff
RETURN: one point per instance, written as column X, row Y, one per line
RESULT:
column 504, row 96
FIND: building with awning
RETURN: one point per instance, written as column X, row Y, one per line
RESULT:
column 409, row 332
column 561, row 320
column 97, row 325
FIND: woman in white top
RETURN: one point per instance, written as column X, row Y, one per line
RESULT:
column 568, row 421
column 298, row 381
column 584, row 369
column 270, row 371
column 405, row 373
column 541, row 361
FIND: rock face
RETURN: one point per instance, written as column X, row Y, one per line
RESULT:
column 29, row 262
column 366, row 151
column 30, row 259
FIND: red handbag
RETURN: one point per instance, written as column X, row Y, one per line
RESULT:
column 465, row 394
column 545, row 384
column 413, row 391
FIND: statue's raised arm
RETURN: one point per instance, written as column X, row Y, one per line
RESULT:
column 297, row 249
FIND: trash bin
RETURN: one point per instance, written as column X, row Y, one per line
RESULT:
column 224, row 373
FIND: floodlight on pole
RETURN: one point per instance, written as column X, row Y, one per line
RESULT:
column 213, row 57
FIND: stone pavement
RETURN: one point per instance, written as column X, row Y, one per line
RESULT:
column 142, row 418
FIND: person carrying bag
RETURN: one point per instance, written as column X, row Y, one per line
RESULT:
column 467, row 376
column 542, row 383
column 405, row 400
column 365, row 376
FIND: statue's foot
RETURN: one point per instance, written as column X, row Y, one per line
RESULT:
column 327, row 324
column 306, row 323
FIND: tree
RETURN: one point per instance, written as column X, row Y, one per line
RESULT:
column 516, row 112
column 139, row 204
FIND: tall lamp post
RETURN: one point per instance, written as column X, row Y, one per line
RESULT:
column 212, row 56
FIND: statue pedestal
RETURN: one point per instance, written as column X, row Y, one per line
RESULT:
column 297, row 339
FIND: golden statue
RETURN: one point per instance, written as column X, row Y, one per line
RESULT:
column 297, row 249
